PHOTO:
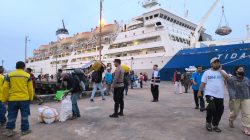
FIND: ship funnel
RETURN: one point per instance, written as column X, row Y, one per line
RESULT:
column 62, row 32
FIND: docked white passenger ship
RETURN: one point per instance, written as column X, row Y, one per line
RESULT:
column 151, row 38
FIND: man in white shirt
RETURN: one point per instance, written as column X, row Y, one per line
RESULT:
column 155, row 82
column 213, row 84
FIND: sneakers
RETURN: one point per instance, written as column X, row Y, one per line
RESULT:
column 91, row 100
column 26, row 132
column 231, row 124
column 114, row 116
column 196, row 107
column 103, row 99
column 209, row 127
column 217, row 129
column 9, row 133
column 202, row 109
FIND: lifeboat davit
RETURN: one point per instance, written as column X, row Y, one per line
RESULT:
column 67, row 41
column 83, row 36
column 106, row 29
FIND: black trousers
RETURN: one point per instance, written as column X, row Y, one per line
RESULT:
column 141, row 84
column 196, row 99
column 118, row 99
column 214, row 113
column 155, row 91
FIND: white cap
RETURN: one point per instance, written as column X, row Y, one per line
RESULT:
column 108, row 68
column 214, row 59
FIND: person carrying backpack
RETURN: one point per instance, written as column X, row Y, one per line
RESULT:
column 97, row 83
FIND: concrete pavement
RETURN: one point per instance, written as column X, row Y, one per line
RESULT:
column 172, row 118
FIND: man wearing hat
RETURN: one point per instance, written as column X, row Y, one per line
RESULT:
column 213, row 84
column 118, row 85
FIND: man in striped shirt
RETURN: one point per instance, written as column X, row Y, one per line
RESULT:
column 155, row 82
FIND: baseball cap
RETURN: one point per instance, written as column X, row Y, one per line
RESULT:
column 214, row 59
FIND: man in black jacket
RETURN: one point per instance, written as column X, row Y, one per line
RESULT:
column 97, row 83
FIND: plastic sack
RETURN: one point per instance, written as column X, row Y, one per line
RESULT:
column 47, row 115
column 66, row 109
column 125, row 68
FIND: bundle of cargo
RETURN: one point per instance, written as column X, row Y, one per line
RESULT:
column 224, row 30
column 47, row 115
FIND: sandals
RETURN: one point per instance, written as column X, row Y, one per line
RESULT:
column 246, row 131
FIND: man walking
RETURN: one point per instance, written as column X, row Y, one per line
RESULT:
column 97, row 83
column 108, row 81
column 2, row 106
column 239, row 94
column 178, row 85
column 213, row 82
column 118, row 86
column 196, row 80
column 155, row 82
column 18, row 92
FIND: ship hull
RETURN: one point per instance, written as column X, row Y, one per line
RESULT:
column 229, row 55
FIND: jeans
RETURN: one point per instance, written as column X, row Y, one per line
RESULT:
column 2, row 113
column 214, row 115
column 141, row 84
column 155, row 91
column 13, row 108
column 108, row 89
column 99, row 86
column 118, row 99
column 196, row 99
column 126, row 88
column 75, row 109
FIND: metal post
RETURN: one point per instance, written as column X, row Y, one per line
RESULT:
column 26, row 43
column 100, row 49
column 2, row 62
column 132, row 58
column 248, row 31
column 56, row 59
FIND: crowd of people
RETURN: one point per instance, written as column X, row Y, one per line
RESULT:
column 17, row 91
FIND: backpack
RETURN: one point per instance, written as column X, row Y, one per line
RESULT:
column 81, row 83
column 94, row 76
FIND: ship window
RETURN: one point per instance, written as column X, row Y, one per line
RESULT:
column 182, row 24
column 161, row 15
column 171, row 20
column 125, row 36
column 181, row 40
column 168, row 18
column 174, row 21
column 146, row 18
column 151, row 17
column 156, row 15
column 177, row 39
column 165, row 17
column 134, row 33
column 143, row 32
column 177, row 22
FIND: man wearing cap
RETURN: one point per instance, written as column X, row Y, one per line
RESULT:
column 213, row 84
column 118, row 86
column 18, row 92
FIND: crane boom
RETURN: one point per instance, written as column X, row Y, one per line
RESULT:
column 196, row 34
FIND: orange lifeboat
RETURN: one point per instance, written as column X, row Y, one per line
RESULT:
column 36, row 52
column 106, row 29
column 83, row 36
column 67, row 41
column 44, row 47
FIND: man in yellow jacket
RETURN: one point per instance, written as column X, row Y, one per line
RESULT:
column 18, row 92
column 2, row 106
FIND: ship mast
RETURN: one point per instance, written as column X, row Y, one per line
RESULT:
column 100, row 41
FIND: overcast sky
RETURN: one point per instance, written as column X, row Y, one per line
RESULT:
column 39, row 19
